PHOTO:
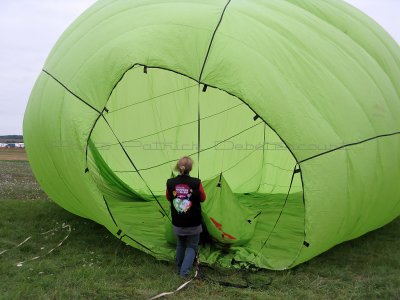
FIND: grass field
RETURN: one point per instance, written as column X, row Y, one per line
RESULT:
column 18, row 182
column 93, row 264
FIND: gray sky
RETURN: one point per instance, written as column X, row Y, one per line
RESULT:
column 30, row 28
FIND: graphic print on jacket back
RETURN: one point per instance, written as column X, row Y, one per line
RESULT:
column 184, row 196
column 181, row 200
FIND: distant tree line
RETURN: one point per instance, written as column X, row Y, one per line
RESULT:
column 11, row 139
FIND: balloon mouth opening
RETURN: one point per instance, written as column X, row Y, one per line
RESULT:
column 155, row 116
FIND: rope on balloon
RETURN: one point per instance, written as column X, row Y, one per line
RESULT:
column 196, row 273
column 20, row 244
column 63, row 226
column 21, row 263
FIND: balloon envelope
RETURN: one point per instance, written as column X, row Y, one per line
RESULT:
column 290, row 110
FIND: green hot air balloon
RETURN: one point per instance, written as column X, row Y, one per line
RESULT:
column 290, row 110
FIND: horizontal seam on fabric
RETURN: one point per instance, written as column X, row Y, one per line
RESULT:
column 170, row 128
column 202, row 150
column 212, row 86
column 152, row 98
column 349, row 145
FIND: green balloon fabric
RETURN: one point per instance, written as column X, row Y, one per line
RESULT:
column 296, row 103
column 228, row 222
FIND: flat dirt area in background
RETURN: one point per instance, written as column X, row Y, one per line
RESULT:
column 12, row 154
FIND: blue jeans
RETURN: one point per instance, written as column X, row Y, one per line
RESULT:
column 186, row 249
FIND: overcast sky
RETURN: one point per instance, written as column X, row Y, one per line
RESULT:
column 30, row 28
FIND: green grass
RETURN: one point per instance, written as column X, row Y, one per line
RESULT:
column 18, row 182
column 94, row 264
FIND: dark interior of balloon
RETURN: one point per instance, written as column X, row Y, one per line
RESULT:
column 153, row 118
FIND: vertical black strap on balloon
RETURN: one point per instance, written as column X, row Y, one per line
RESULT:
column 212, row 40
column 295, row 171
column 205, row 86
column 263, row 155
column 219, row 181
column 198, row 135
column 111, row 215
